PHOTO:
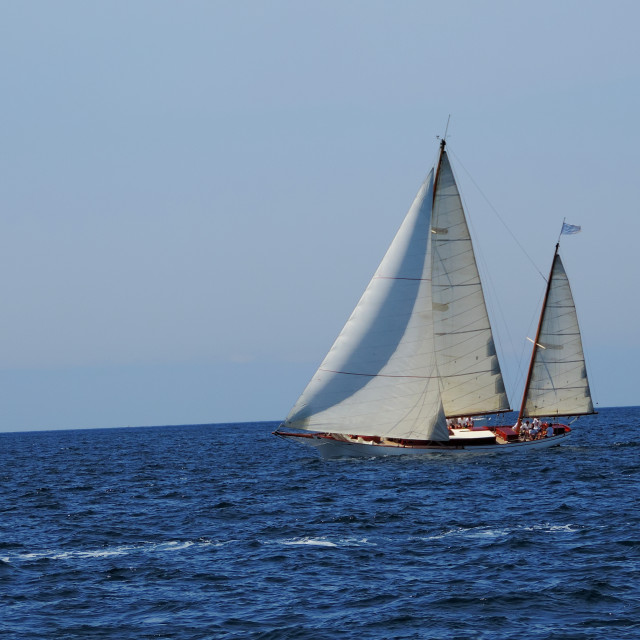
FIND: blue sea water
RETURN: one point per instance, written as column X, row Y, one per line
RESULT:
column 224, row 531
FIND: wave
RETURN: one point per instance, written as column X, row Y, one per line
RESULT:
column 480, row 533
column 501, row 532
column 109, row 552
column 310, row 541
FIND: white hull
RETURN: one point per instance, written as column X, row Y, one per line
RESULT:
column 329, row 447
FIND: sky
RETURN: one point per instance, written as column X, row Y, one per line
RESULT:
column 194, row 195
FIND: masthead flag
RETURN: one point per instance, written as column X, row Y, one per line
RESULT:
column 568, row 229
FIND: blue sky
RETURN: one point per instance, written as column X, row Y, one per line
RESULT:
column 194, row 195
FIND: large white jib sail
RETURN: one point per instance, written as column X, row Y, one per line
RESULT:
column 470, row 376
column 380, row 377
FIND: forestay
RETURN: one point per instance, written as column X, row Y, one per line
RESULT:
column 380, row 376
column 466, row 356
column 558, row 384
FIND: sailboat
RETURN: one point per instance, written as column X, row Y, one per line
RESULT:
column 417, row 354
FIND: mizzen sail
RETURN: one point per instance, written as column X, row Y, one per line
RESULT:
column 471, row 379
column 380, row 376
column 558, row 384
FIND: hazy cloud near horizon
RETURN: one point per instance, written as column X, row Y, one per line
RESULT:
column 194, row 195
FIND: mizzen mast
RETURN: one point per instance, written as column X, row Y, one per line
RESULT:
column 537, row 338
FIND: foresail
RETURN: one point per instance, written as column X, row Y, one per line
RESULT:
column 558, row 384
column 380, row 378
column 465, row 352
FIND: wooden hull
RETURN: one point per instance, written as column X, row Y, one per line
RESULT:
column 331, row 445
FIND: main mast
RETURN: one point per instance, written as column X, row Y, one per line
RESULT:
column 443, row 144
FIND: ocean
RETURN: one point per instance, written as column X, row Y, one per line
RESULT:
column 224, row 531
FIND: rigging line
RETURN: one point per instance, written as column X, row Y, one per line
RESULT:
column 399, row 278
column 504, row 224
column 377, row 375
column 390, row 375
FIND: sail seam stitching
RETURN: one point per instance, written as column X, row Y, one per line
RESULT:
column 378, row 375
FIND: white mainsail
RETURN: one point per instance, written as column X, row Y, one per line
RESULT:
column 468, row 367
column 380, row 376
column 558, row 383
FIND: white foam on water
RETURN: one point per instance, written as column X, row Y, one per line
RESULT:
column 176, row 546
column 567, row 528
column 145, row 547
column 65, row 555
column 490, row 532
column 357, row 542
column 323, row 542
column 317, row 542
column 98, row 553
column 473, row 532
